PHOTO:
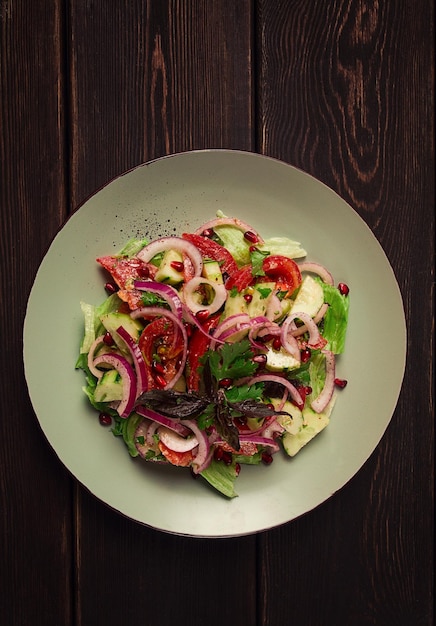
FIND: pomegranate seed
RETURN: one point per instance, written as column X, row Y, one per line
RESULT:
column 108, row 339
column 260, row 359
column 237, row 469
column 252, row 248
column 177, row 266
column 248, row 297
column 218, row 454
column 225, row 383
column 202, row 315
column 267, row 458
column 160, row 381
column 306, row 353
column 208, row 233
column 343, row 289
column 144, row 271
column 110, row 288
column 158, row 368
column 240, row 421
column 276, row 344
column 251, row 237
column 266, row 338
column 227, row 457
column 339, row 382
column 270, row 407
column 105, row 419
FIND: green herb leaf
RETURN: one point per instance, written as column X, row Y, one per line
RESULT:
column 257, row 257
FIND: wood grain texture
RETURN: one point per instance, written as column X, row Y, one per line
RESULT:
column 342, row 89
column 345, row 94
column 35, row 490
column 176, row 77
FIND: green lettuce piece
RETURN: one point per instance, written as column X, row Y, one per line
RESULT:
column 317, row 373
column 132, row 247
column 233, row 239
column 222, row 477
column 283, row 246
column 335, row 321
column 129, row 427
column 92, row 324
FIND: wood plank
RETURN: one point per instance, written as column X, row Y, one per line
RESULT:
column 345, row 93
column 175, row 76
column 35, row 490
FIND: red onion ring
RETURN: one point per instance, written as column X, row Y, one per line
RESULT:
column 190, row 288
column 172, row 423
column 315, row 339
column 316, row 268
column 168, row 293
column 320, row 403
column 91, row 356
column 295, row 394
column 203, row 456
column 175, row 442
column 300, row 330
column 138, row 360
column 128, row 380
column 173, row 243
column 228, row 221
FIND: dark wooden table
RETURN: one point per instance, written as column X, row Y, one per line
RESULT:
column 342, row 89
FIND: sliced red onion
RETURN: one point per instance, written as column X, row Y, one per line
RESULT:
column 274, row 307
column 300, row 330
column 91, row 356
column 173, row 243
column 175, row 442
column 128, row 380
column 147, row 311
column 259, row 440
column 172, row 423
column 203, row 456
column 316, row 268
column 315, row 339
column 189, row 317
column 295, row 394
column 273, row 429
column 320, row 403
column 228, row 221
column 191, row 287
column 168, row 293
column 138, row 360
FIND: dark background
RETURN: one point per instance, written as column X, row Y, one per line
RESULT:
column 342, row 89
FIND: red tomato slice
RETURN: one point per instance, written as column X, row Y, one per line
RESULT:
column 241, row 279
column 212, row 250
column 282, row 270
column 157, row 343
column 198, row 344
column 182, row 459
column 125, row 270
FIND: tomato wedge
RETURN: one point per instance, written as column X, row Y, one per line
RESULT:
column 198, row 344
column 212, row 250
column 157, row 343
column 282, row 270
column 241, row 279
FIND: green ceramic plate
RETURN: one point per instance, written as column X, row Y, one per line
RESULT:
column 177, row 193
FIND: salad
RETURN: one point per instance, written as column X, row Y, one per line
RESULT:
column 214, row 349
